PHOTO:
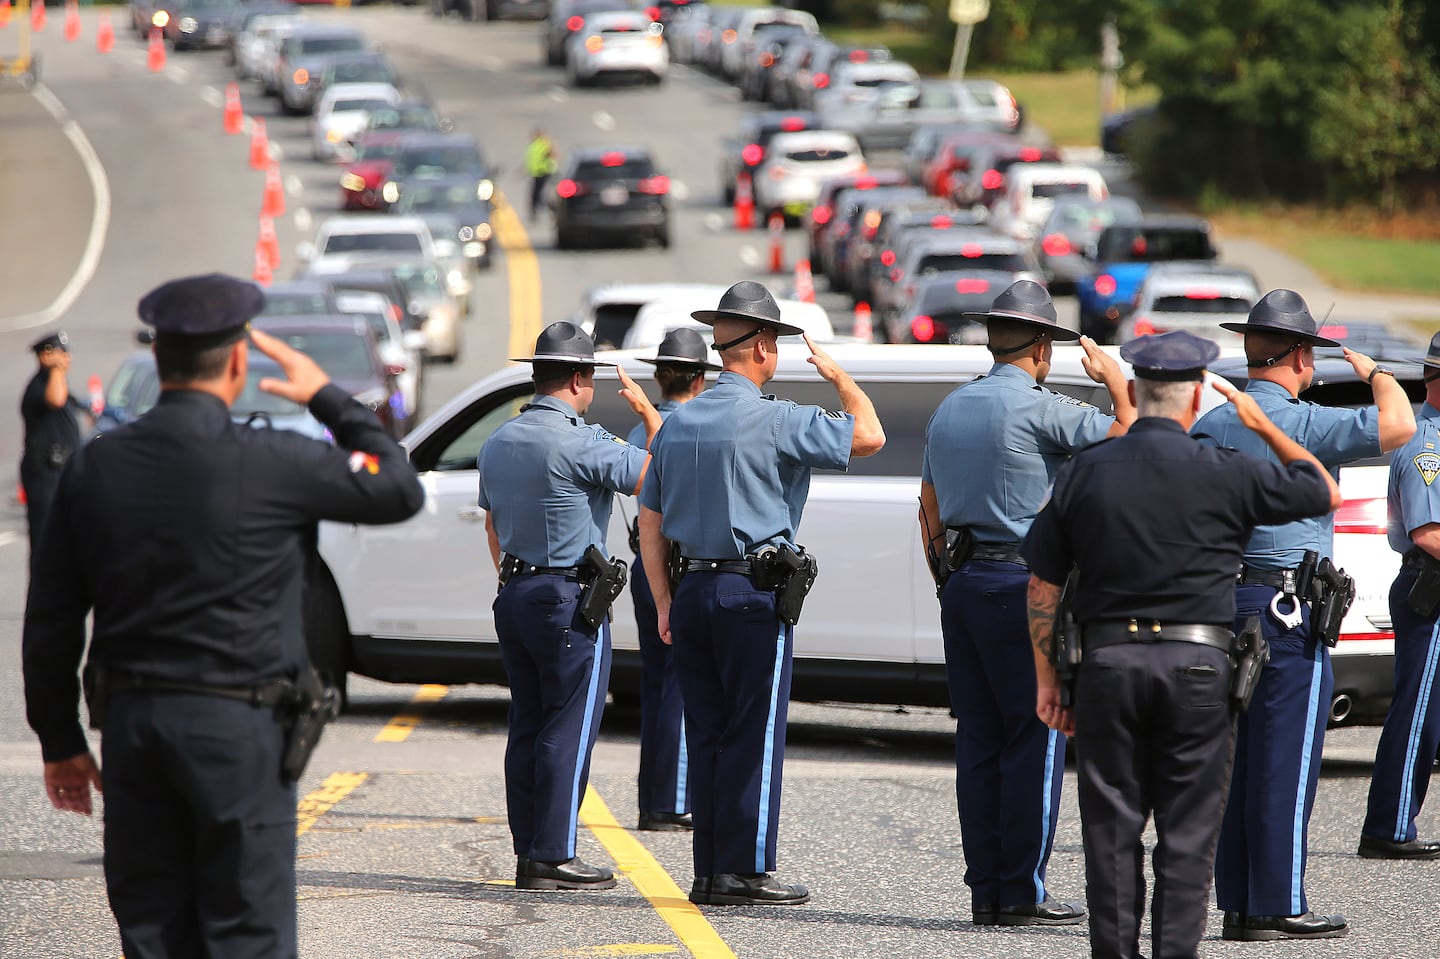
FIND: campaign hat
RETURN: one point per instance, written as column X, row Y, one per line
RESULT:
column 1282, row 312
column 748, row 300
column 682, row 347
column 1026, row 301
column 563, row 342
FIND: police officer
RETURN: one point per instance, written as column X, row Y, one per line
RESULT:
column 1156, row 523
column 991, row 452
column 1260, row 863
column 728, row 484
column 1412, row 728
column 546, row 484
column 540, row 166
column 187, row 535
column 664, row 782
column 51, row 433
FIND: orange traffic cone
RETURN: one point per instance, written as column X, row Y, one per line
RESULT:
column 234, row 117
column 269, row 241
column 804, row 282
column 72, row 21
column 155, row 55
column 274, row 203
column 263, row 272
column 105, row 35
column 97, row 395
column 37, row 15
column 863, row 329
column 777, row 243
column 5, row 22
column 744, row 203
column 20, row 496
column 259, row 145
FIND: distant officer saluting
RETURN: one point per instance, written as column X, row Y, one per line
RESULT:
column 1156, row 523
column 1260, row 862
column 52, row 434
column 1405, row 753
column 546, row 484
column 664, row 781
column 186, row 534
column 728, row 484
column 991, row 452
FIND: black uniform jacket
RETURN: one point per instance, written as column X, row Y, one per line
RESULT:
column 187, row 535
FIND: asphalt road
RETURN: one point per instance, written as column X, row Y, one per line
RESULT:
column 404, row 850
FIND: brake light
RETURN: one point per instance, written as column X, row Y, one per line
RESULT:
column 992, row 179
column 972, row 286
column 895, row 275
column 1336, row 331
column 613, row 158
column 820, row 215
column 1202, row 294
column 941, row 222
column 859, row 56
column 971, row 250
column 820, row 80
column 1362, row 516
column 752, row 154
column 865, row 183
column 1105, row 285
column 656, row 185
column 594, row 44
column 1143, row 326
column 567, row 189
column 887, row 258
column 1030, row 154
column 767, row 59
column 653, row 13
column 1056, row 244
column 574, row 23
column 923, row 328
column 792, row 124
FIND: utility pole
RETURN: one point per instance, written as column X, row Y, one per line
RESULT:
column 965, row 13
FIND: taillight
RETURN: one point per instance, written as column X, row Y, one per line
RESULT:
column 859, row 56
column 1143, row 326
column 301, row 77
column 653, row 13
column 1362, row 516
column 1105, row 285
column 924, row 328
column 820, row 80
column 792, row 124
column 972, row 250
column 1030, row 154
column 820, row 215
column 767, row 59
column 752, row 154
column 941, row 222
column 972, row 286
column 567, row 189
column 613, row 158
column 1056, row 244
column 895, row 275
column 887, row 258
column 992, row 180
column 656, row 185
column 728, row 36
column 574, row 23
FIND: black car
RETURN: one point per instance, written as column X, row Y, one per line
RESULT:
column 300, row 298
column 456, row 206
column 941, row 308
column 192, row 24
column 610, row 191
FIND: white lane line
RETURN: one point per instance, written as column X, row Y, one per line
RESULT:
column 714, row 222
column 749, row 256
column 177, row 77
column 602, row 120
column 558, row 94
column 99, row 219
column 679, row 190
column 7, row 538
column 212, row 96
column 303, row 220
column 294, row 185
column 277, row 152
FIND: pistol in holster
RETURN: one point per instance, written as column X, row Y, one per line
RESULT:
column 635, row 536
column 790, row 573
column 1424, row 596
column 602, row 580
column 509, row 566
column 675, row 565
column 95, row 681
column 311, row 705
column 1335, row 593
column 959, row 544
column 1250, row 654
column 1065, row 650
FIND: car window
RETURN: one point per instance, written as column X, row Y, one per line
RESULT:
column 819, row 154
column 373, row 243
column 303, row 46
column 612, row 322
column 296, row 304
column 1058, row 189
column 456, row 445
column 339, row 354
column 1205, row 304
column 357, row 104
column 1136, row 244
column 128, row 381
column 629, row 169
column 948, row 262
column 378, row 326
column 423, row 278
column 984, row 94
column 435, row 161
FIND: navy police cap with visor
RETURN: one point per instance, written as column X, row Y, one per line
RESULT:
column 207, row 311
column 52, row 341
column 1173, row 356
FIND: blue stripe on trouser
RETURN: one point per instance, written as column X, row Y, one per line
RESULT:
column 762, row 828
column 1297, row 838
column 1412, row 747
column 1046, row 793
column 582, row 757
column 682, row 769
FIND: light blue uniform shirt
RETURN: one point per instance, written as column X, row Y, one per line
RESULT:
column 637, row 435
column 1414, row 494
column 547, row 476
column 993, row 448
column 1334, row 436
column 731, row 468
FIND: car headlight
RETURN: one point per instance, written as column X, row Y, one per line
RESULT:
column 483, row 231
column 160, row 18
column 333, row 135
column 188, row 25
column 485, row 190
column 466, row 234
column 474, row 249
column 390, row 191
column 352, row 182
column 455, row 283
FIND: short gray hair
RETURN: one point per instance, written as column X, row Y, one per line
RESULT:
column 1167, row 398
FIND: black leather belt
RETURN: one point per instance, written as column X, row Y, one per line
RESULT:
column 1414, row 558
column 999, row 553
column 742, row 566
column 1117, row 632
column 1266, row 577
column 527, row 570
column 271, row 693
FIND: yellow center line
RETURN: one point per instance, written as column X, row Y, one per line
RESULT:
column 401, row 726
column 524, row 272
column 335, row 788
column 652, row 881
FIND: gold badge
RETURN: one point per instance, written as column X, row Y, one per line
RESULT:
column 1429, row 466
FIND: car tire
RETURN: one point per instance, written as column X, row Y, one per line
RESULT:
column 563, row 240
column 662, row 237
column 327, row 634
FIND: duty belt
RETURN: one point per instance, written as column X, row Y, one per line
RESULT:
column 1274, row 578
column 998, row 552
column 271, row 693
column 1414, row 558
column 1117, row 632
column 742, row 566
column 525, row 569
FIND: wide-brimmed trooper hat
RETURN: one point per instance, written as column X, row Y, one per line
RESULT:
column 683, row 347
column 1282, row 312
column 748, row 300
column 563, row 342
column 1026, row 301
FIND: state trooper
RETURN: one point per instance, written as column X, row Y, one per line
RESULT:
column 1408, row 742
column 664, row 782
column 727, row 487
column 52, row 434
column 1155, row 523
column 991, row 452
column 1260, row 862
column 546, row 484
column 187, row 535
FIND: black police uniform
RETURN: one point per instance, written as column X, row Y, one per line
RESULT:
column 186, row 534
column 1157, row 523
column 51, row 437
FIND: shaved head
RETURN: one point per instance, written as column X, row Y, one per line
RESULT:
column 728, row 329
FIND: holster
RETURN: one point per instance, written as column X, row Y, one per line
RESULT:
column 1250, row 655
column 509, row 566
column 95, row 681
column 675, row 566
column 312, row 705
column 1065, row 649
column 635, row 536
column 790, row 573
column 958, row 547
column 1337, row 592
column 603, row 580
column 1424, row 596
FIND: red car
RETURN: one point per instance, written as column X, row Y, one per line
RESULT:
column 375, row 154
column 984, row 182
column 952, row 160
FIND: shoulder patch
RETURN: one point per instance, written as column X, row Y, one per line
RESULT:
column 368, row 462
column 1071, row 401
column 834, row 415
column 769, row 396
column 619, row 440
column 1429, row 466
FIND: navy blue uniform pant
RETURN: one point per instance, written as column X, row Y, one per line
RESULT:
column 664, row 775
column 1154, row 735
column 199, row 828
column 1412, row 728
column 558, row 672
column 733, row 655
column 1260, row 865
column 1008, row 765
column 41, row 482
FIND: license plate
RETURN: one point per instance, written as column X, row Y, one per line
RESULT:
column 614, row 195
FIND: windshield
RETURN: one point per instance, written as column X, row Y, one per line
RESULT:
column 373, row 243
column 344, row 105
column 309, row 46
column 309, row 303
column 410, row 118
column 425, row 279
column 436, row 161
column 421, row 197
column 339, row 354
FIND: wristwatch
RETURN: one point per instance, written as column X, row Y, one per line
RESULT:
column 1377, row 371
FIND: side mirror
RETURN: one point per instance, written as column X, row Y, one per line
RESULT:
column 413, row 341
column 145, row 335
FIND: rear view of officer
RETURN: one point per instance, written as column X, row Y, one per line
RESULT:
column 52, row 434
column 1260, row 862
column 664, row 782
column 547, row 480
column 187, row 534
column 991, row 452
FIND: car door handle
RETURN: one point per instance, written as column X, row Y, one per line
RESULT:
column 471, row 514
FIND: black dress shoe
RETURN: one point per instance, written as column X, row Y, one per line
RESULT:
column 747, row 889
column 1307, row 926
column 700, row 890
column 1051, row 912
column 665, row 822
column 984, row 913
column 569, row 874
column 1372, row 848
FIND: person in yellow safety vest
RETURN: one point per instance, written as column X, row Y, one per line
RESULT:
column 540, row 164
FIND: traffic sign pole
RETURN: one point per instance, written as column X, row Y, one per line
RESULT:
column 965, row 13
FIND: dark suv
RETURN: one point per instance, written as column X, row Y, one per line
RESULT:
column 610, row 191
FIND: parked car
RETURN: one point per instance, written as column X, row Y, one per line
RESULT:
column 610, row 193
column 615, row 44
column 797, row 165
column 1122, row 254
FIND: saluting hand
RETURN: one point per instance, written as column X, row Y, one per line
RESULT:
column 821, row 361
column 303, row 376
column 1362, row 364
column 1251, row 416
column 1099, row 365
column 633, row 394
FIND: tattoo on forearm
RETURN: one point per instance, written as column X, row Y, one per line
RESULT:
column 1043, row 604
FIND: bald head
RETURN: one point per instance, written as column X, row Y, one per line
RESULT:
column 755, row 356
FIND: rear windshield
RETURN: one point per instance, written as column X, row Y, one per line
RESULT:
column 360, row 73
column 377, row 324
column 1058, row 189
column 612, row 322
column 252, row 399
column 425, row 279
column 629, row 169
column 984, row 94
column 389, row 118
column 817, row 155
column 313, row 45
column 339, row 354
column 1145, row 245
column 373, row 243
column 1076, row 218
column 947, row 262
column 1201, row 304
